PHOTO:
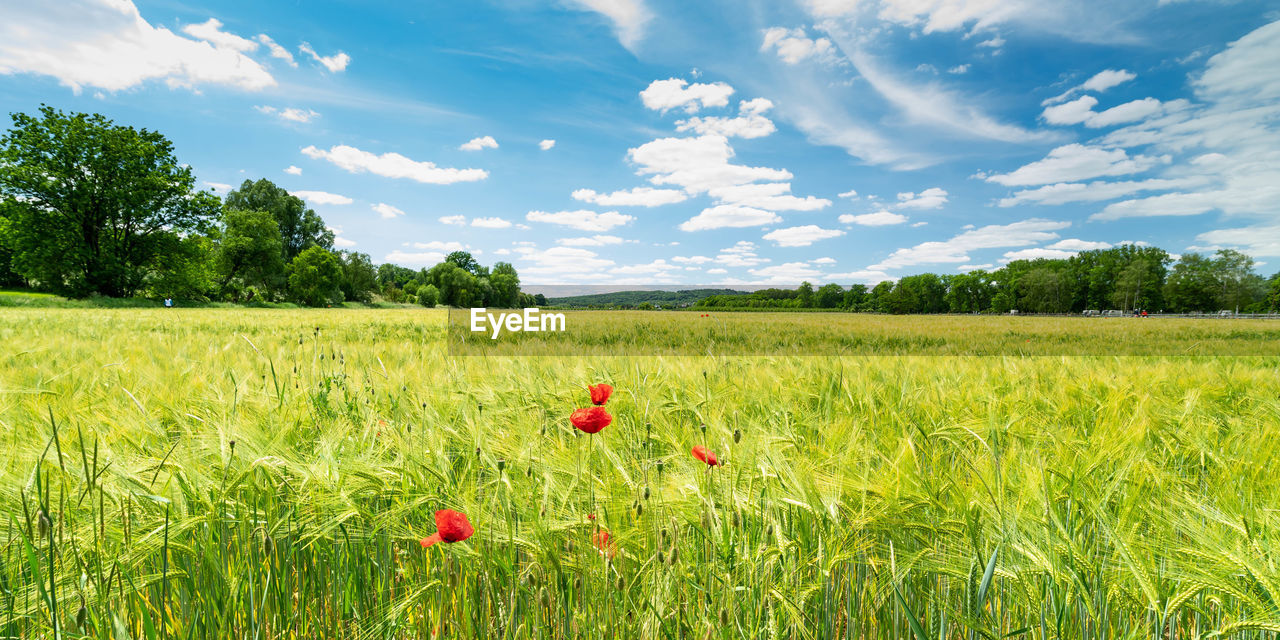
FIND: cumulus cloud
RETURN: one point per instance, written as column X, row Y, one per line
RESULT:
column 637, row 197
column 334, row 63
column 547, row 144
column 1080, row 111
column 393, row 165
column 293, row 170
column 629, row 17
column 793, row 46
column 1098, row 83
column 865, row 276
column 1258, row 240
column 790, row 272
column 801, row 236
column 211, row 31
column 664, row 95
column 742, row 254
column 956, row 249
column 932, row 198
column 476, row 144
column 414, row 259
column 453, row 220
column 581, row 219
column 1099, row 190
column 691, row 259
column 108, row 45
column 729, row 216
column 490, row 223
column 774, row 196
column 750, row 122
column 322, row 197
column 697, row 164
column 387, row 211
column 590, row 241
column 877, row 219
column 276, row 50
column 1073, row 162
column 1074, row 244
column 440, row 245
column 291, row 114
column 559, row 264
column 1034, row 254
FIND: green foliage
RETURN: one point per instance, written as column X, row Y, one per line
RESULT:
column 300, row 228
column 185, row 269
column 250, row 252
column 91, row 205
column 428, row 295
column 315, row 277
column 359, row 279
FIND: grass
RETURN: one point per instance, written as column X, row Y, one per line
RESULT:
column 268, row 474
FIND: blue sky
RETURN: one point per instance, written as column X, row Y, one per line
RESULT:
column 743, row 141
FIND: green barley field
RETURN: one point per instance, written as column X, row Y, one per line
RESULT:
column 265, row 474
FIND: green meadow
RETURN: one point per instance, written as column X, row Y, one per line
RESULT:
column 262, row 473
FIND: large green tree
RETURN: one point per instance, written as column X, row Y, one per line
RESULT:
column 300, row 227
column 250, row 253
column 315, row 277
column 359, row 279
column 91, row 204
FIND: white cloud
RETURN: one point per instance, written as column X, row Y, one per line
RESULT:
column 440, row 245
column 664, row 95
column 1080, row 111
column 291, row 114
column 974, row 267
column 742, row 254
column 293, row 170
column 1106, row 79
column 729, row 216
column 637, row 197
column 454, row 220
column 959, row 69
column 774, row 196
column 697, row 164
column 1022, row 233
column 343, row 243
column 790, row 272
column 490, row 223
column 559, row 264
column 1259, row 240
column 801, row 236
column 414, row 259
column 850, row 194
column 861, row 277
column 590, row 241
column 476, row 144
column 629, row 17
column 750, row 122
column 386, row 211
column 334, row 63
column 322, row 197
column 1073, row 244
column 108, row 45
column 211, row 31
column 1073, row 162
column 717, row 271
column 691, row 259
column 1033, row 254
column 918, row 224
column 877, row 219
column 393, row 165
column 219, row 187
column 276, row 50
column 793, row 46
column 931, row 198
column 657, row 268
column 994, row 42
column 547, row 144
column 823, row 261
column 1064, row 192
column 581, row 219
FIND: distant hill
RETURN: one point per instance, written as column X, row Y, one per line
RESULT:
column 636, row 298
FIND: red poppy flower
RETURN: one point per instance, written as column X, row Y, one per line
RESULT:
column 600, row 393
column 451, row 526
column 706, row 455
column 591, row 420
column 601, row 541
column 591, row 516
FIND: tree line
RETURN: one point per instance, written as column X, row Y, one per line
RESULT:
column 91, row 208
column 1128, row 277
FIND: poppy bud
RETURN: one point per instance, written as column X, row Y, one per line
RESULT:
column 646, row 493
column 703, row 428
column 44, row 522
column 546, row 599
column 639, row 509
column 82, row 617
column 724, row 618
column 502, row 464
column 737, row 436
column 661, row 464
column 621, row 583
column 675, row 555
column 661, row 559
